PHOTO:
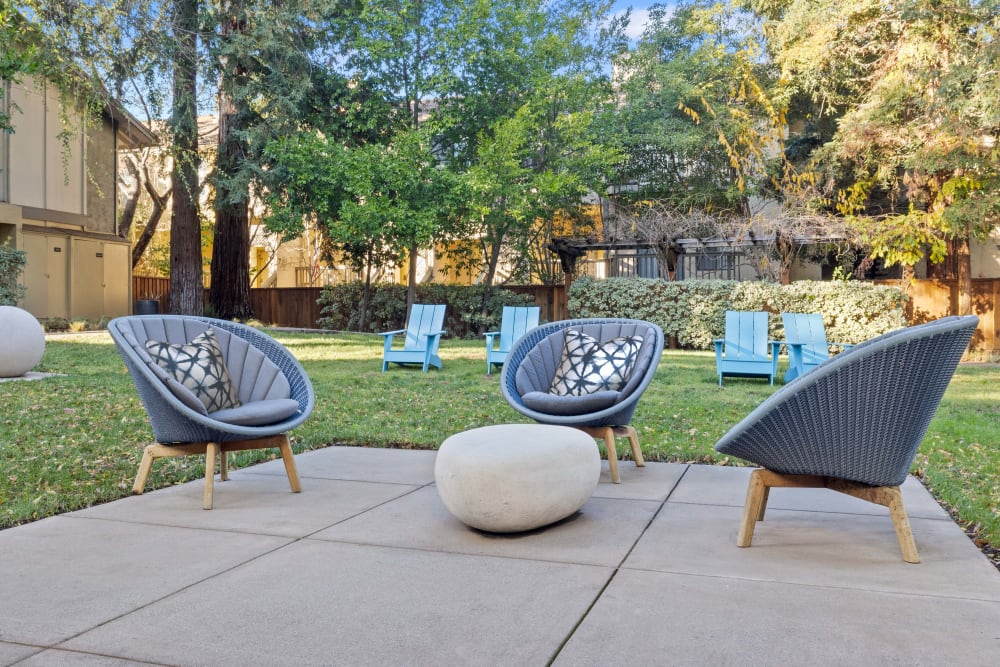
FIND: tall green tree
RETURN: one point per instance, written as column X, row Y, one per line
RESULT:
column 912, row 87
column 376, row 201
column 271, row 62
column 517, row 117
column 696, row 118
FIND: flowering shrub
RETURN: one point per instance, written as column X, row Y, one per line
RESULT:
column 692, row 312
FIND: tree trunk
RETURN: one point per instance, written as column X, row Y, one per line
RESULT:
column 229, row 291
column 159, row 205
column 131, row 198
column 963, row 261
column 366, row 294
column 411, row 278
column 186, row 288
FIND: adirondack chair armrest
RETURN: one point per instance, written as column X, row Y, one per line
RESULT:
column 392, row 333
column 491, row 337
column 776, row 346
column 846, row 346
column 436, row 334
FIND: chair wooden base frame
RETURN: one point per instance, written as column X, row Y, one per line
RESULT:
column 608, row 434
column 762, row 479
column 212, row 450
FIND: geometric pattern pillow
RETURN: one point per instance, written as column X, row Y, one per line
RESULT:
column 200, row 367
column 588, row 366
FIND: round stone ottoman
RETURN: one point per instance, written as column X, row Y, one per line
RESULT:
column 24, row 341
column 514, row 477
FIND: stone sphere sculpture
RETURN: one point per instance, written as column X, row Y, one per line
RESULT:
column 23, row 341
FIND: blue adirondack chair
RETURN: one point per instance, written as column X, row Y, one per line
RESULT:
column 423, row 335
column 805, row 339
column 514, row 322
column 744, row 350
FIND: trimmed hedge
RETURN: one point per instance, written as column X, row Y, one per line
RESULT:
column 11, row 265
column 692, row 312
column 464, row 318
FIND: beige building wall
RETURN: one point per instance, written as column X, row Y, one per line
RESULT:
column 59, row 185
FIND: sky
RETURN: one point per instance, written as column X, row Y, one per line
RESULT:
column 640, row 11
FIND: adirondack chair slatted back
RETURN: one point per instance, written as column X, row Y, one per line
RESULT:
column 746, row 336
column 514, row 322
column 744, row 350
column 422, row 337
column 807, row 330
column 424, row 319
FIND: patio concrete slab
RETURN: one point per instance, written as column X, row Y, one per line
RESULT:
column 676, row 619
column 600, row 533
column 63, row 575
column 817, row 549
column 322, row 603
column 57, row 658
column 12, row 653
column 654, row 481
column 366, row 566
column 727, row 485
column 369, row 464
column 249, row 503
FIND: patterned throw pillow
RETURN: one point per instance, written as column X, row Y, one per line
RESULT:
column 588, row 366
column 200, row 367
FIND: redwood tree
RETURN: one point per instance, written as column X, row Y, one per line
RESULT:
column 186, row 287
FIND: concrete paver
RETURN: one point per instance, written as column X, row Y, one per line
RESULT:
column 600, row 533
column 322, row 603
column 676, row 619
column 366, row 566
column 63, row 576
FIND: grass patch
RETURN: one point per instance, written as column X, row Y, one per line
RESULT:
column 75, row 440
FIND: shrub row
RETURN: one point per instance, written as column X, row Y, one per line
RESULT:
column 11, row 264
column 692, row 312
column 341, row 307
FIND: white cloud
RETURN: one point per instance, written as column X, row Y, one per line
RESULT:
column 637, row 23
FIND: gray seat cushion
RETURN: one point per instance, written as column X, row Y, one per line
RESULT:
column 553, row 404
column 258, row 413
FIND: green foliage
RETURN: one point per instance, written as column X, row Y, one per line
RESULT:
column 11, row 265
column 698, row 120
column 464, row 318
column 693, row 311
column 904, row 96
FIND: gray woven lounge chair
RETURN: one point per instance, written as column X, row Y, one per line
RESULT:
column 274, row 392
column 853, row 424
column 531, row 366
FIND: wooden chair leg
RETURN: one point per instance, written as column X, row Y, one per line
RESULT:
column 145, row 466
column 290, row 468
column 633, row 440
column 763, row 503
column 892, row 498
column 753, row 508
column 761, row 481
column 901, row 523
column 211, row 451
column 609, row 445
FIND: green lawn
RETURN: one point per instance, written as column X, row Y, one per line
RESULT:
column 71, row 441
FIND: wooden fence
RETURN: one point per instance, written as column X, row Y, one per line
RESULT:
column 931, row 299
column 297, row 307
